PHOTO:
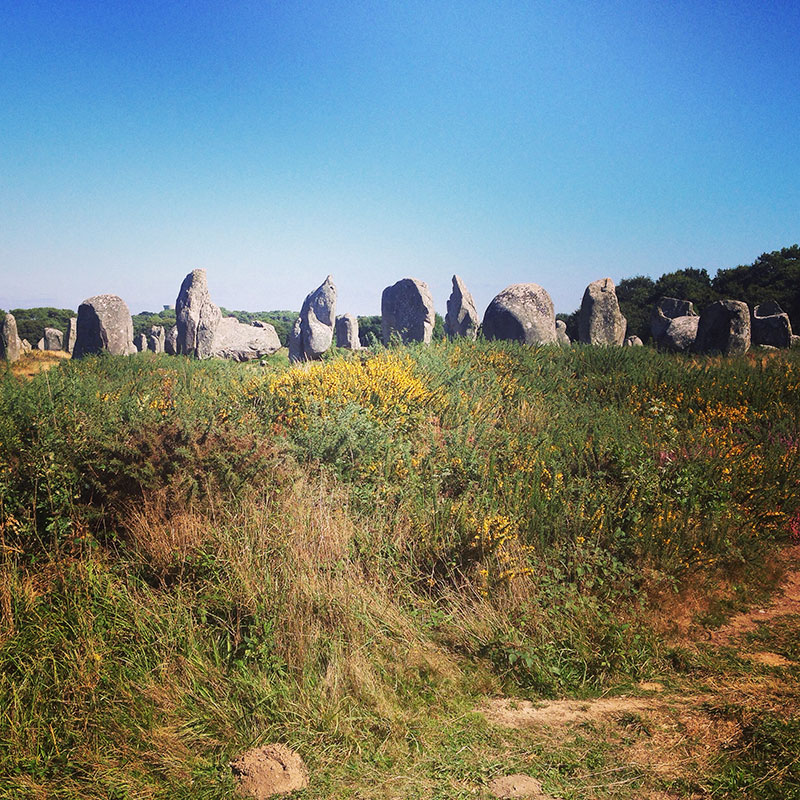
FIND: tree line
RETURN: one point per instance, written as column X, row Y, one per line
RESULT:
column 772, row 276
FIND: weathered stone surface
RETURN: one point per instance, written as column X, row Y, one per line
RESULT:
column 407, row 312
column 156, row 338
column 296, row 342
column 794, row 343
column 140, row 342
column 171, row 341
column 561, row 333
column 724, row 327
column 679, row 335
column 71, row 335
column 522, row 312
column 11, row 348
column 26, row 346
column 768, row 309
column 239, row 342
column 197, row 316
column 462, row 316
column 40, row 345
column 274, row 769
column 668, row 308
column 600, row 321
column 633, row 341
column 317, row 318
column 770, row 325
column 346, row 331
column 104, row 325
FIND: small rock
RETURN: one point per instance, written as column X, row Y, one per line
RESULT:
column 266, row 771
column 562, row 337
column 633, row 341
column 141, row 342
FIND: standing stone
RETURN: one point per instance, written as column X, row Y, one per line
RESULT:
column 407, row 312
column 296, row 342
column 522, row 312
column 171, row 341
column 197, row 316
column 347, row 332
column 156, row 339
column 141, row 342
column 600, row 321
column 724, row 328
column 666, row 309
column 11, row 348
column 104, row 325
column 679, row 335
column 239, row 342
column 633, row 341
column 562, row 337
column 71, row 335
column 53, row 339
column 462, row 317
column 313, row 336
column 40, row 345
column 771, row 326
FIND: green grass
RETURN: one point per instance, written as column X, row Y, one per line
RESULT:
column 198, row 557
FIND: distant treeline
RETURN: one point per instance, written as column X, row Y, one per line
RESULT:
column 31, row 322
column 772, row 276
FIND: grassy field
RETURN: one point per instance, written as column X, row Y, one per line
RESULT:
column 393, row 561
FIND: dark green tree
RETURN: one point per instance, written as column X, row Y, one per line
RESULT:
column 369, row 330
column 636, row 299
column 772, row 276
column 686, row 284
column 31, row 322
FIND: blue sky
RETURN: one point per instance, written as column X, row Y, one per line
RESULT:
column 273, row 143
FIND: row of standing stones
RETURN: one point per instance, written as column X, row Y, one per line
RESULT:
column 522, row 312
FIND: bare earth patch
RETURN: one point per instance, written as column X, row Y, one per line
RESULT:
column 512, row 713
column 786, row 602
column 266, row 771
column 511, row 786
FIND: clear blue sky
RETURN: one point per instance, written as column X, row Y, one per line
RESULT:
column 276, row 142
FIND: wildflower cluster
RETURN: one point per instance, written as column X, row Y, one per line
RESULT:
column 497, row 547
column 386, row 386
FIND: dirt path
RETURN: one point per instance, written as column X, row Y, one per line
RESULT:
column 674, row 735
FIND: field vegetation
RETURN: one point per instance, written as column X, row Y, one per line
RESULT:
column 355, row 556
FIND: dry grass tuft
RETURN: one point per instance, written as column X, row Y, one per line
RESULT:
column 35, row 361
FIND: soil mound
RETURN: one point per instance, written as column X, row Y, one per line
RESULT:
column 269, row 770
